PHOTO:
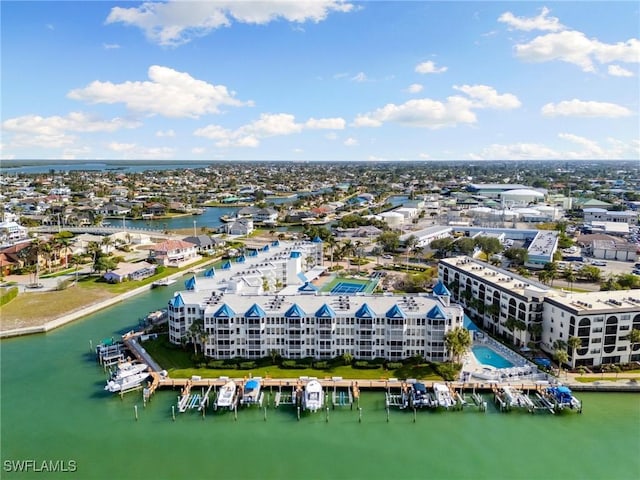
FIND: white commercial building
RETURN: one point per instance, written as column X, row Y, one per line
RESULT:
column 497, row 300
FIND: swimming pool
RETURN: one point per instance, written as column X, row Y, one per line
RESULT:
column 488, row 356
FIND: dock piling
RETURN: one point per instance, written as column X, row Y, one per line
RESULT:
column 360, row 414
column 135, row 409
column 327, row 415
column 265, row 414
column 414, row 415
column 387, row 414
column 173, row 412
column 298, row 409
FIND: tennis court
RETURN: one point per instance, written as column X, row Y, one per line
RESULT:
column 348, row 286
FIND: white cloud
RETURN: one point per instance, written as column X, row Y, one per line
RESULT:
column 133, row 151
column 166, row 133
column 174, row 23
column 22, row 140
column 587, row 150
column 488, row 97
column 429, row 113
column 110, row 46
column 580, row 108
column 541, row 22
column 57, row 125
column 121, row 147
column 325, row 123
column 574, row 47
column 424, row 156
column 197, row 150
column 268, row 125
column 415, row 88
column 618, row 71
column 588, row 145
column 359, row 77
column 429, row 67
column 169, row 93
column 351, row 142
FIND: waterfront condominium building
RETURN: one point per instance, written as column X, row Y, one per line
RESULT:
column 271, row 305
column 523, row 311
column 316, row 325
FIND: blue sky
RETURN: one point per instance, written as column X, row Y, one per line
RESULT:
column 320, row 80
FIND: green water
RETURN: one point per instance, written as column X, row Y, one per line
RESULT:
column 53, row 408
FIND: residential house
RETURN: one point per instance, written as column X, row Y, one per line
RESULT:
column 173, row 253
column 130, row 271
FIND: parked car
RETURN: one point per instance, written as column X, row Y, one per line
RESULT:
column 599, row 263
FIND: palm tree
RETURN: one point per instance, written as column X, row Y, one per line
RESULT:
column 574, row 343
column 107, row 242
column 331, row 243
column 347, row 358
column 561, row 357
column 458, row 341
column 196, row 331
column 570, row 276
column 410, row 243
column 634, row 339
column 521, row 326
column 544, row 276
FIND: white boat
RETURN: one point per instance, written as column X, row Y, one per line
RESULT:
column 443, row 395
column 126, row 369
column 313, row 398
column 251, row 392
column 227, row 395
column 126, row 383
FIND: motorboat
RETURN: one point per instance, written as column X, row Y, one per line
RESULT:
column 562, row 397
column 251, row 392
column 419, row 395
column 443, row 395
column 129, row 382
column 126, row 369
column 313, row 398
column 227, row 395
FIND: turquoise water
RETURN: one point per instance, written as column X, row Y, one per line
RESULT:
column 488, row 356
column 54, row 408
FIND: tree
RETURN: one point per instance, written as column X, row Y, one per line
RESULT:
column 561, row 357
column 489, row 245
column 347, row 358
column 570, row 276
column 574, row 343
column 410, row 244
column 552, row 269
column 458, row 341
column 518, row 256
column 466, row 245
column 634, row 340
column 443, row 246
column 196, row 331
column 390, row 241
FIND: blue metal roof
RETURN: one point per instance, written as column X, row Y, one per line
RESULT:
column 307, row 287
column 436, row 313
column 395, row 312
column 190, row 284
column 253, row 253
column 224, row 311
column 255, row 311
column 265, row 248
column 211, row 272
column 275, row 243
column 364, row 312
column 317, row 239
column 441, row 290
column 294, row 311
column 226, row 265
column 295, row 255
column 240, row 259
column 325, row 311
column 177, row 301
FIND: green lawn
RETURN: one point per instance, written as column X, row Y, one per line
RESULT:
column 600, row 379
column 178, row 362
